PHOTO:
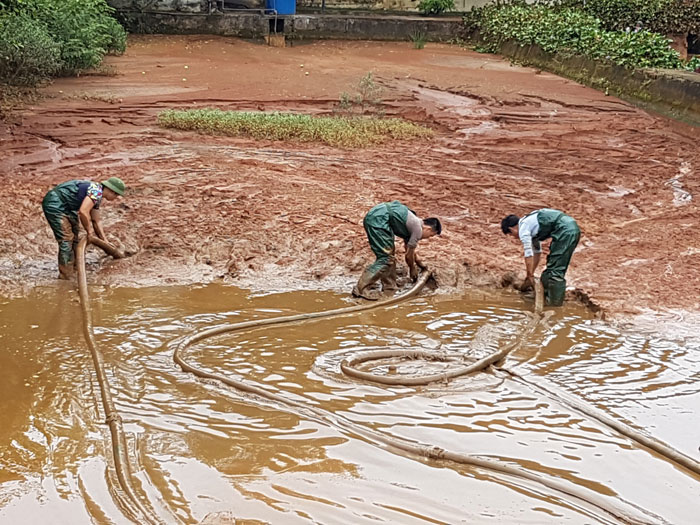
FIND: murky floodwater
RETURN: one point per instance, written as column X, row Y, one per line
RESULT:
column 202, row 448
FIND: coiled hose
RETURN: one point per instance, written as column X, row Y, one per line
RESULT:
column 392, row 442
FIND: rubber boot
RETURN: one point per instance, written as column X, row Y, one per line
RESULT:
column 555, row 291
column 388, row 278
column 65, row 271
column 366, row 279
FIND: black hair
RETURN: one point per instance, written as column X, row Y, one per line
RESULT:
column 508, row 223
column 434, row 224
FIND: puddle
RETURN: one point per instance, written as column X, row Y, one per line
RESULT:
column 202, row 448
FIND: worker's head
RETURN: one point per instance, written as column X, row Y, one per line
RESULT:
column 431, row 226
column 112, row 188
column 509, row 225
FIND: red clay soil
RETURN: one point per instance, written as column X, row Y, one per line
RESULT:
column 267, row 214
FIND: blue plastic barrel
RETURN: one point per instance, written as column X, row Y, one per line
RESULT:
column 283, row 7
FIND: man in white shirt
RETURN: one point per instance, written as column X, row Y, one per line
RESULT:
column 538, row 226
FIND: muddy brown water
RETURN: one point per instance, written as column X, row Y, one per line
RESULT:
column 204, row 450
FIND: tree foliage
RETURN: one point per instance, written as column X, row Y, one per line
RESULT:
column 435, row 7
column 570, row 29
column 660, row 16
column 44, row 38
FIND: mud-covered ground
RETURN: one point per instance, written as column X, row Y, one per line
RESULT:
column 284, row 215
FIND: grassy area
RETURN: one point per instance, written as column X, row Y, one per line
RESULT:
column 351, row 132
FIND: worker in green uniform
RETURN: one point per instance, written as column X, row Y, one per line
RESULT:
column 382, row 223
column 539, row 226
column 72, row 202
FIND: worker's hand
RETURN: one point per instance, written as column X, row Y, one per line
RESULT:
column 528, row 284
column 413, row 272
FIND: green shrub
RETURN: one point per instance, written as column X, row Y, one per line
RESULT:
column 660, row 16
column 28, row 53
column 85, row 28
column 418, row 39
column 435, row 7
column 566, row 29
column 83, row 31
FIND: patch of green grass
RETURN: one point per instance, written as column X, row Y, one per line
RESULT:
column 418, row 39
column 350, row 132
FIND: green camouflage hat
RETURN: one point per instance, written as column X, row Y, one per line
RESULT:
column 115, row 184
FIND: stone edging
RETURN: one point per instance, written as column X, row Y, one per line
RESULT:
column 670, row 92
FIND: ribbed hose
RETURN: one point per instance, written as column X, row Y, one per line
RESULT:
column 392, row 442
column 567, row 399
column 132, row 503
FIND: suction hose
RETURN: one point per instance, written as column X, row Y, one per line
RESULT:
column 567, row 399
column 395, row 443
column 132, row 503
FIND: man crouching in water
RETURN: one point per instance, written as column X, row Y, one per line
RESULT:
column 382, row 223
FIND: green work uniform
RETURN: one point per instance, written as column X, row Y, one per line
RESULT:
column 565, row 235
column 382, row 223
column 61, row 207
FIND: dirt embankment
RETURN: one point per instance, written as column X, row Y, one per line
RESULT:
column 509, row 140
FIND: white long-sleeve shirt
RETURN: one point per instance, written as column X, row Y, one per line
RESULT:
column 528, row 228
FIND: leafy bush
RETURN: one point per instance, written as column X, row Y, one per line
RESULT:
column 335, row 131
column 660, row 16
column 28, row 54
column 563, row 29
column 83, row 31
column 435, row 7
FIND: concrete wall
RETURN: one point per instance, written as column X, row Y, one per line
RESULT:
column 203, row 6
column 240, row 25
column 670, row 92
column 182, row 6
column 311, row 26
column 393, row 5
column 373, row 27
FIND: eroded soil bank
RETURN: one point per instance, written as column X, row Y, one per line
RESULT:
column 284, row 215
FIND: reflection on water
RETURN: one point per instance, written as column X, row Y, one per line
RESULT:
column 203, row 449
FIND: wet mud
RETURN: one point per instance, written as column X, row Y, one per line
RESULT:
column 206, row 453
column 287, row 215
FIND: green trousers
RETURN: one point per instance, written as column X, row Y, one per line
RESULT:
column 64, row 224
column 381, row 239
column 565, row 237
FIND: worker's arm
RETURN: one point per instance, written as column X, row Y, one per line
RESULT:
column 531, row 264
column 530, row 267
column 97, row 223
column 411, row 262
column 85, row 215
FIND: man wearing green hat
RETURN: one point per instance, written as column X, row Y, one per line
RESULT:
column 73, row 201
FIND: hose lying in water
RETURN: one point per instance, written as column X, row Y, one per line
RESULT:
column 377, row 437
column 635, row 435
column 348, row 367
column 638, row 436
column 132, row 504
